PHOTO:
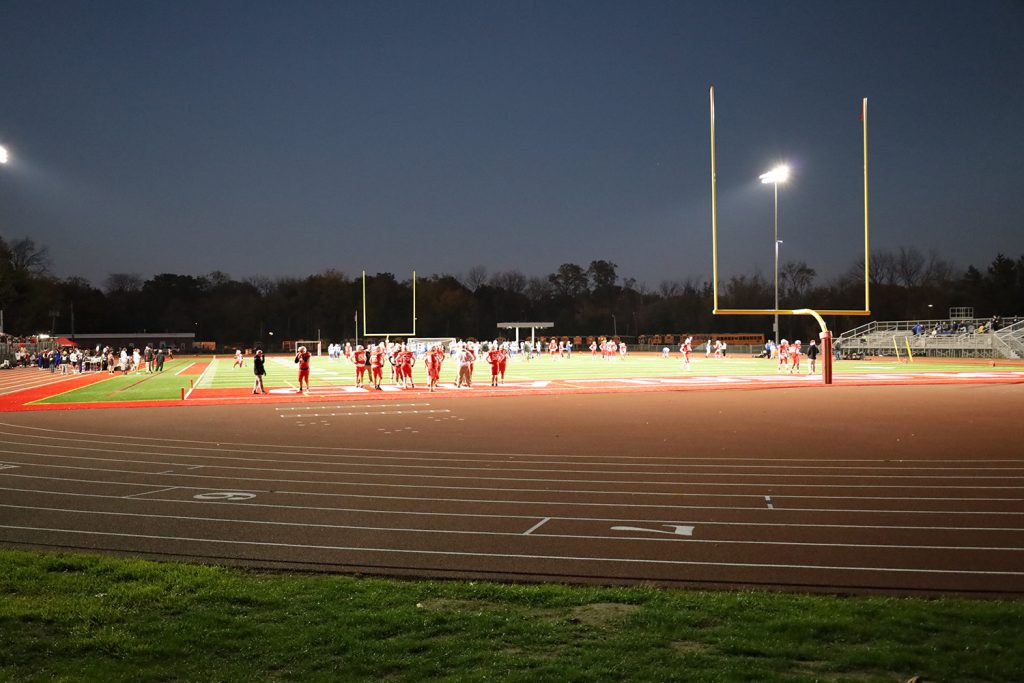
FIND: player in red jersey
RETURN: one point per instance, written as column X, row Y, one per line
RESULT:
column 432, row 362
column 377, row 365
column 794, row 357
column 686, row 347
column 302, row 357
column 359, row 358
column 493, row 358
column 406, row 359
column 503, row 362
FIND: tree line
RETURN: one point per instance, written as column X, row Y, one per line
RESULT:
column 593, row 300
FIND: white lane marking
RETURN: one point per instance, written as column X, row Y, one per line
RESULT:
column 676, row 529
column 680, row 531
column 221, row 446
column 147, row 493
column 625, row 506
column 368, row 406
column 536, row 526
column 4, row 466
column 482, row 515
column 234, row 480
column 455, row 477
column 561, row 558
column 366, row 412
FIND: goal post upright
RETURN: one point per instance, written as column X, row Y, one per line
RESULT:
column 366, row 333
column 826, row 335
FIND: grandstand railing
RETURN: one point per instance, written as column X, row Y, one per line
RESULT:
column 1011, row 339
column 893, row 338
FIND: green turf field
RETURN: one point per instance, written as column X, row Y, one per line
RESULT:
column 282, row 374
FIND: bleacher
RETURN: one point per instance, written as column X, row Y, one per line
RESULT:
column 950, row 338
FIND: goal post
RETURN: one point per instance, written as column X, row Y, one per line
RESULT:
column 826, row 335
column 367, row 333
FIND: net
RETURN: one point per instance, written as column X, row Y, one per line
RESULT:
column 310, row 344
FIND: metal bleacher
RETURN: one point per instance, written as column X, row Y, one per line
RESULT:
column 963, row 340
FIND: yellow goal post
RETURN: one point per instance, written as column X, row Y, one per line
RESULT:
column 816, row 314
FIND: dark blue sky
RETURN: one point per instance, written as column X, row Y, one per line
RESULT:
column 277, row 138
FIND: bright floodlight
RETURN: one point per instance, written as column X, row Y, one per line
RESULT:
column 779, row 174
column 3, row 155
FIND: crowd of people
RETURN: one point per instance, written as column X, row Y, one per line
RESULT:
column 72, row 360
column 946, row 327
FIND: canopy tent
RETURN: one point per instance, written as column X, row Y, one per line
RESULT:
column 64, row 341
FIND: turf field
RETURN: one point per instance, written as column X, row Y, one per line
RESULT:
column 213, row 378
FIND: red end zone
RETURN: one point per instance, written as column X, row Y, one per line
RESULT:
column 197, row 368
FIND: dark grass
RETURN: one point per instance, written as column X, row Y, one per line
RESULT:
column 86, row 618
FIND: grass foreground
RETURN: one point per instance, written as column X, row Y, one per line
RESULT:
column 72, row 617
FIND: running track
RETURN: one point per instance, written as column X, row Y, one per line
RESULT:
column 905, row 489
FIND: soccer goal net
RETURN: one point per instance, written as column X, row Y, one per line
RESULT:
column 312, row 345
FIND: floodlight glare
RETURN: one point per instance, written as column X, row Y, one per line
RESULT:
column 779, row 174
column 3, row 155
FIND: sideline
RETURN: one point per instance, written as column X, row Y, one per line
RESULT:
column 200, row 380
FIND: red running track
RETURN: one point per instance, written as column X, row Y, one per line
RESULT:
column 902, row 489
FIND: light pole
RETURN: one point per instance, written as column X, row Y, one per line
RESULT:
column 779, row 174
column 3, row 160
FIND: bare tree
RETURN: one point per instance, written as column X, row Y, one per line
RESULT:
column 474, row 278
column 26, row 257
column 122, row 282
column 937, row 270
column 538, row 289
column 263, row 284
column 670, row 288
column 910, row 265
column 795, row 277
column 510, row 280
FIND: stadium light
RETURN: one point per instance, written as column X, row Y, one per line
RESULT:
column 779, row 174
column 4, row 156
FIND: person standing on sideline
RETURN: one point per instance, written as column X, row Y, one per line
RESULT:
column 359, row 358
column 302, row 357
column 432, row 361
column 258, row 369
column 465, row 358
column 377, row 354
column 493, row 359
column 503, row 362
column 812, row 356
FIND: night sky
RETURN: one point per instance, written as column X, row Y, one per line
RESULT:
column 283, row 139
